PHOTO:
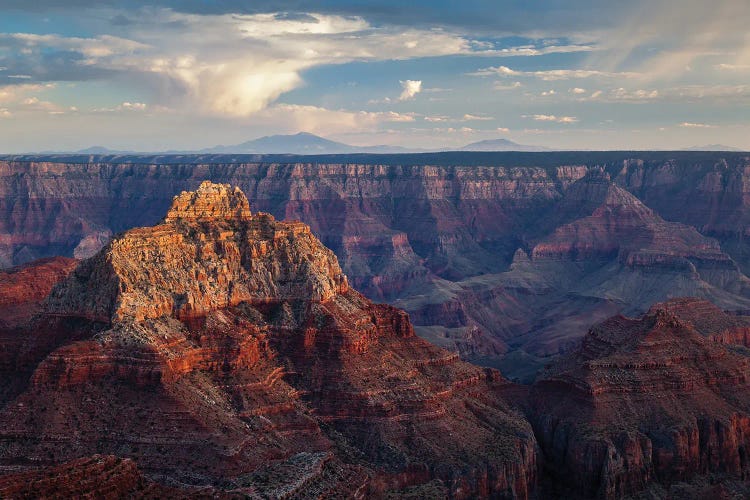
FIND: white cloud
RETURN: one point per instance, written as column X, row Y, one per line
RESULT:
column 503, row 129
column 550, row 75
column 636, row 95
column 124, row 107
column 35, row 104
column 97, row 47
column 663, row 41
column 469, row 117
column 234, row 65
column 505, row 86
column 437, row 119
column 577, row 91
column 531, row 50
column 686, row 93
column 294, row 117
column 552, row 118
column 5, row 113
column 137, row 106
column 410, row 89
column 733, row 67
column 548, row 93
column 695, row 125
column 13, row 93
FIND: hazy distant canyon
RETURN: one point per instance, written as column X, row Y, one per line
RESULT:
column 507, row 258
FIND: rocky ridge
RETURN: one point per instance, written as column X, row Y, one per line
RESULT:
column 224, row 349
column 476, row 247
column 643, row 401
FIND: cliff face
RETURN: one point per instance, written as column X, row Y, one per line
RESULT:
column 223, row 353
column 478, row 255
column 642, row 401
column 222, row 348
column 104, row 477
column 24, row 288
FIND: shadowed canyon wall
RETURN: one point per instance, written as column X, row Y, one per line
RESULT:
column 224, row 354
column 504, row 258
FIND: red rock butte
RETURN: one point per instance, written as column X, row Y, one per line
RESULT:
column 654, row 399
column 223, row 349
column 210, row 201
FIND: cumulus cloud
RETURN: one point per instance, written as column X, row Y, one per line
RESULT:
column 25, row 98
column 231, row 65
column 577, row 91
column 410, row 89
column 137, row 106
column 226, row 64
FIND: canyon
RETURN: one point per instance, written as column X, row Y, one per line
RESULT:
column 642, row 401
column 222, row 350
column 220, row 353
column 505, row 258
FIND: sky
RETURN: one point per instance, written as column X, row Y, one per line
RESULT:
column 155, row 75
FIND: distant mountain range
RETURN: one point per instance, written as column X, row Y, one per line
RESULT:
column 500, row 145
column 305, row 143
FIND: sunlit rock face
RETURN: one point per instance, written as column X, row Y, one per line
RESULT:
column 224, row 349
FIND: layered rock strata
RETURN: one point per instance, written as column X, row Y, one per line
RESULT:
column 222, row 348
column 477, row 247
column 643, row 401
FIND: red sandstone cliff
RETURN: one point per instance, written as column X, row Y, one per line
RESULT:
column 102, row 477
column 439, row 239
column 223, row 348
column 642, row 401
column 24, row 288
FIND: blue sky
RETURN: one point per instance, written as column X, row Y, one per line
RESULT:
column 152, row 75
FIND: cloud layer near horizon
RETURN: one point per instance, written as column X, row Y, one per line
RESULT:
column 596, row 77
